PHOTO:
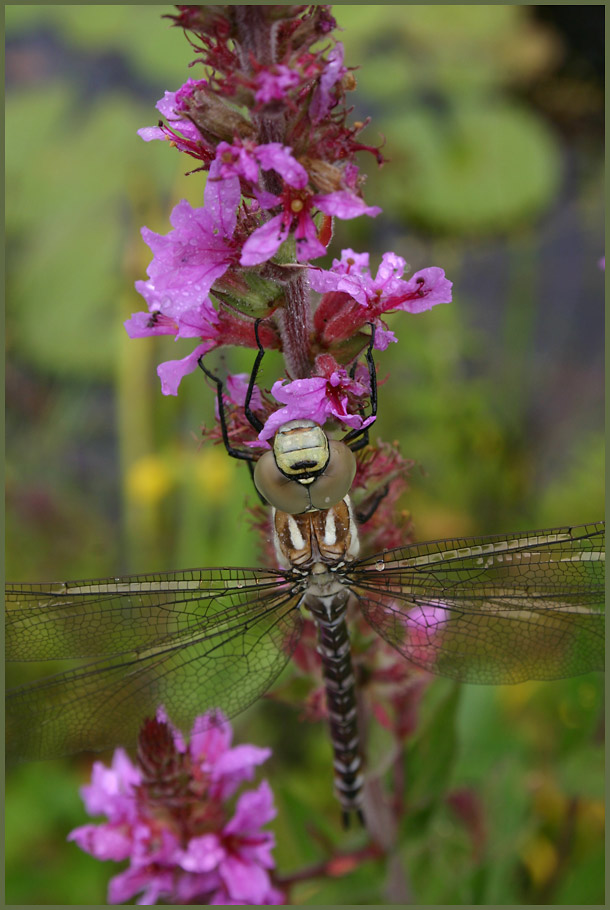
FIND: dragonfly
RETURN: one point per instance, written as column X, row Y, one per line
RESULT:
column 497, row 609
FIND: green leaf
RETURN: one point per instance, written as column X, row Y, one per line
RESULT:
column 68, row 227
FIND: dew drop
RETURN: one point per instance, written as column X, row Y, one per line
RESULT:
column 380, row 565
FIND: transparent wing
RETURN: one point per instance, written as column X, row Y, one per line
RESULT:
column 192, row 641
column 499, row 609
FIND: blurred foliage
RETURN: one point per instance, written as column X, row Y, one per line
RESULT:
column 494, row 173
column 471, row 158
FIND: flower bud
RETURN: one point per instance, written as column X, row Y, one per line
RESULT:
column 215, row 119
column 326, row 177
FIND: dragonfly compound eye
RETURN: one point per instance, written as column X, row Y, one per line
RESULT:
column 335, row 482
column 286, row 494
column 296, row 495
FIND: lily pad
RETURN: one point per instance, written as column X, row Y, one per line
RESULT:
column 469, row 168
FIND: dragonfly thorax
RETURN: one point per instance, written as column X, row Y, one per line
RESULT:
column 324, row 537
column 305, row 470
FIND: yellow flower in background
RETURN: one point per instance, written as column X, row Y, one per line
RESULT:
column 148, row 480
column 539, row 857
column 591, row 820
column 550, row 804
column 515, row 698
column 214, row 473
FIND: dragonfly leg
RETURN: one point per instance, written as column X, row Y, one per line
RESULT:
column 370, row 505
column 231, row 450
column 359, row 438
column 252, row 418
column 254, row 421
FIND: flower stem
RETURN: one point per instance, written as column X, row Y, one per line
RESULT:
column 256, row 39
column 294, row 325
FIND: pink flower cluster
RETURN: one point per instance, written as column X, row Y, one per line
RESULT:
column 269, row 123
column 352, row 297
column 169, row 815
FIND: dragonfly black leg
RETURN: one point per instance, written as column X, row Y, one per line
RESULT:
column 370, row 505
column 231, row 450
column 358, row 439
column 252, row 418
column 246, row 456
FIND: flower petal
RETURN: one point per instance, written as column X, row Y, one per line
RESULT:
column 143, row 325
column 203, row 854
column 383, row 337
column 345, row 205
column 306, row 237
column 278, row 157
column 172, row 372
column 253, row 810
column 103, row 841
column 234, row 767
column 425, row 289
column 245, row 881
column 210, row 738
column 221, row 198
column 264, row 242
column 148, row 133
column 334, row 70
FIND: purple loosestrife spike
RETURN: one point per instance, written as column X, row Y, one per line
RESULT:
column 168, row 814
column 268, row 119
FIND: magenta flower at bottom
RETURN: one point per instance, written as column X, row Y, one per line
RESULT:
column 169, row 815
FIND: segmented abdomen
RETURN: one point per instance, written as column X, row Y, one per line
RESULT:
column 339, row 682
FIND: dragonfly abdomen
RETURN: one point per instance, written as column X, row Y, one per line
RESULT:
column 339, row 683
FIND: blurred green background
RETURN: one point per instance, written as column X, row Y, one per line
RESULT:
column 493, row 125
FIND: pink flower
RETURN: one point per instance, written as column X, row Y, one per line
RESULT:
column 274, row 84
column 353, row 297
column 180, row 131
column 296, row 216
column 168, row 816
column 198, row 322
column 172, row 372
column 243, row 158
column 319, row 399
column 236, row 390
column 323, row 98
column 424, row 624
column 170, row 107
column 199, row 250
column 242, row 866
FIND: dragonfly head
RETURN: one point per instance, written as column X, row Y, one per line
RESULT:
column 305, row 470
column 301, row 450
